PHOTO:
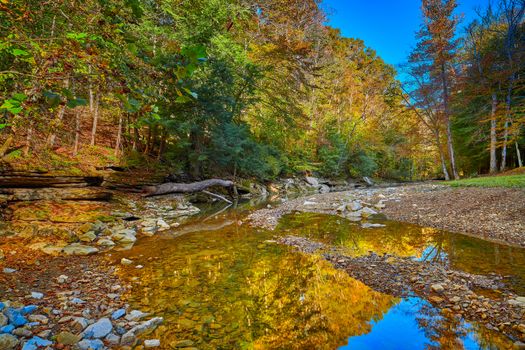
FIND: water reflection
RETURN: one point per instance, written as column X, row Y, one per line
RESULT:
column 457, row 251
column 224, row 287
column 415, row 324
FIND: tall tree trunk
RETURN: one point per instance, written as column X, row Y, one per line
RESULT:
column 518, row 154
column 507, row 124
column 447, row 122
column 162, row 144
column 95, row 120
column 77, row 131
column 119, row 135
column 493, row 136
column 442, row 157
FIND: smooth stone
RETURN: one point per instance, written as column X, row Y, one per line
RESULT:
column 9, row 270
column 62, row 279
column 8, row 342
column 151, row 343
column 67, row 338
column 118, row 314
column 90, row 344
column 112, row 339
column 88, row 237
column 37, row 295
column 7, row 328
column 99, row 329
column 105, row 242
column 41, row 319
column 28, row 309
column 130, row 337
column 438, row 288
column 77, row 301
column 79, row 249
column 125, row 261
column 135, row 315
column 79, row 324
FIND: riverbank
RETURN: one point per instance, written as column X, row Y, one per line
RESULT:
column 489, row 213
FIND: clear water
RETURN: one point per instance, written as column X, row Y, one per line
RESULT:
column 221, row 285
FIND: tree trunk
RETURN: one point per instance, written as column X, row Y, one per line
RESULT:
column 95, row 120
column 77, row 132
column 518, row 154
column 493, row 136
column 119, row 135
column 506, row 126
column 171, row 187
column 447, row 122
column 442, row 157
column 29, row 138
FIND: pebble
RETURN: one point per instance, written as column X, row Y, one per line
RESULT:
column 37, row 295
column 151, row 343
column 125, row 261
column 9, row 270
column 438, row 288
column 89, row 344
column 62, row 279
column 118, row 314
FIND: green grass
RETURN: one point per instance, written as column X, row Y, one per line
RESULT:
column 510, row 181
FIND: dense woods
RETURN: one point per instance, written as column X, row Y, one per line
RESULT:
column 258, row 88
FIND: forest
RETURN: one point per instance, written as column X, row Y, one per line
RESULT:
column 258, row 89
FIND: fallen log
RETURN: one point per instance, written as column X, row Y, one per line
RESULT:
column 170, row 187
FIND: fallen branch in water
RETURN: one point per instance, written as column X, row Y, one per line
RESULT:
column 218, row 196
column 193, row 187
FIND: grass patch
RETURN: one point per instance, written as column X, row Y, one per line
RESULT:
column 509, row 181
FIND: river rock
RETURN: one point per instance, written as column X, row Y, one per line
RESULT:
column 367, row 212
column 67, row 338
column 438, row 288
column 3, row 320
column 8, row 342
column 125, row 261
column 354, row 206
column 105, row 242
column 135, row 315
column 90, row 344
column 37, row 295
column 151, row 343
column 130, row 337
column 99, row 329
column 79, row 249
column 88, row 237
column 112, row 339
column 38, row 318
column 79, row 324
column 312, row 181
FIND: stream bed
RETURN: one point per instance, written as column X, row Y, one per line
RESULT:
column 221, row 284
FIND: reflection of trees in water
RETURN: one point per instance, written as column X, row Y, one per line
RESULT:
column 225, row 292
column 452, row 250
column 449, row 333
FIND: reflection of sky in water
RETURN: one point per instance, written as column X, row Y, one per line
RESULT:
column 399, row 329
column 432, row 253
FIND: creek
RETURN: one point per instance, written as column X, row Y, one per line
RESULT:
column 221, row 284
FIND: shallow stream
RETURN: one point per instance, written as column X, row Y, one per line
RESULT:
column 220, row 284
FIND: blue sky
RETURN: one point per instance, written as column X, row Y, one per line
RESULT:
column 387, row 26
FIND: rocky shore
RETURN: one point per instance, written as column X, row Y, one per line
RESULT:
column 457, row 294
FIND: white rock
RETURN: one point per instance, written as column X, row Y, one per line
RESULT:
column 151, row 343
column 125, row 261
column 37, row 295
